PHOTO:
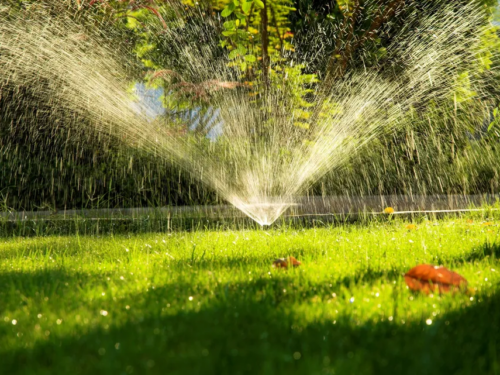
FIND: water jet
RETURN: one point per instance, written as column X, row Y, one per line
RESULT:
column 262, row 158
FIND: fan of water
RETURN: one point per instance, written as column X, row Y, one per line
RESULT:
column 255, row 156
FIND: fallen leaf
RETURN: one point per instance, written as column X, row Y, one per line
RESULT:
column 284, row 262
column 428, row 278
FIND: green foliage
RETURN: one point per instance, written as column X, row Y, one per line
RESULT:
column 494, row 126
column 490, row 42
column 245, row 39
column 244, row 32
column 463, row 91
column 443, row 156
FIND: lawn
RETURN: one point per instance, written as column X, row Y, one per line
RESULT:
column 209, row 302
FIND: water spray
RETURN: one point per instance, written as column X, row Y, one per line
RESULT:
column 259, row 161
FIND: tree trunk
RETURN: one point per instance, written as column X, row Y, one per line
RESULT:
column 265, row 45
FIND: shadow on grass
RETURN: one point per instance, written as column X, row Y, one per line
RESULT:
column 55, row 280
column 475, row 254
column 28, row 289
column 240, row 333
column 63, row 285
column 245, row 336
column 491, row 250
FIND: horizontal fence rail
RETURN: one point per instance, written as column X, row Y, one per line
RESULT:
column 307, row 206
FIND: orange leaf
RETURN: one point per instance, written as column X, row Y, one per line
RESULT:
column 294, row 262
column 284, row 262
column 428, row 278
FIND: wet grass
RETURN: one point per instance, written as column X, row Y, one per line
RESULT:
column 209, row 302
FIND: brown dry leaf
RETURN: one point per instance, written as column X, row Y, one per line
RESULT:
column 280, row 263
column 284, row 262
column 428, row 278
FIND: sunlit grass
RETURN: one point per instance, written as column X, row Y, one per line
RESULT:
column 210, row 302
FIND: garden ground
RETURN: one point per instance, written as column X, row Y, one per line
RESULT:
column 210, row 302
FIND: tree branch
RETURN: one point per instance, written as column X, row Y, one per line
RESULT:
column 337, row 66
column 265, row 45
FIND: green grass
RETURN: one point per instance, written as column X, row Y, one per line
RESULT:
column 209, row 302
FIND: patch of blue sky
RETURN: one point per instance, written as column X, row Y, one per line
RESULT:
column 148, row 102
column 496, row 15
column 149, row 105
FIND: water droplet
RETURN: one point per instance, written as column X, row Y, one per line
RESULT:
column 428, row 322
column 14, row 322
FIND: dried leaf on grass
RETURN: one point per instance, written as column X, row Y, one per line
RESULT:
column 428, row 278
column 285, row 262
